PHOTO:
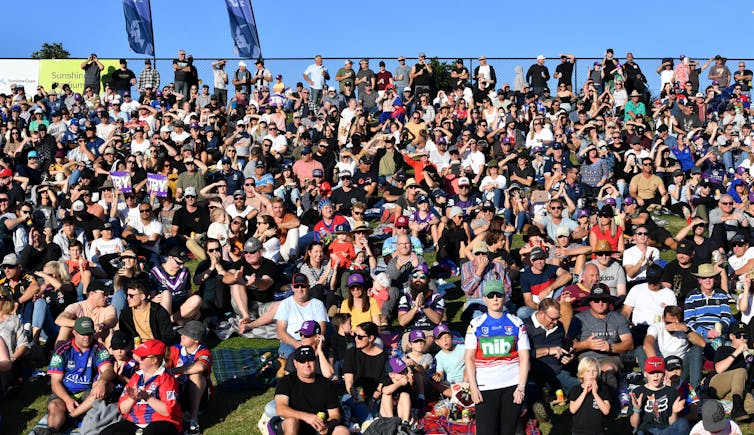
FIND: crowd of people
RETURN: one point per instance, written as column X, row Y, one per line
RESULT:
column 312, row 212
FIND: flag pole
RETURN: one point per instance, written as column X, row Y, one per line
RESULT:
column 256, row 30
column 151, row 28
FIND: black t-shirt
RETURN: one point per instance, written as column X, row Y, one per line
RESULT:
column 121, row 79
column 725, row 352
column 526, row 172
column 88, row 222
column 346, row 199
column 703, row 251
column 318, row 396
column 681, row 280
column 266, row 267
column 340, row 344
column 368, row 371
column 362, row 180
column 656, row 406
column 461, row 70
column 566, row 72
column 588, row 419
column 188, row 222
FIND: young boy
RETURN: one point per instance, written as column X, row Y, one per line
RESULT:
column 341, row 341
column 124, row 365
column 450, row 361
column 655, row 405
column 191, row 363
column 673, row 378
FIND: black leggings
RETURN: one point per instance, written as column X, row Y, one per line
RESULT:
column 125, row 427
column 497, row 414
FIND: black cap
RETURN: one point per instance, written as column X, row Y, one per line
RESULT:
column 654, row 274
column 599, row 292
column 606, row 211
column 120, row 340
column 738, row 238
column 179, row 253
column 673, row 362
column 304, row 354
column 739, row 328
column 685, row 247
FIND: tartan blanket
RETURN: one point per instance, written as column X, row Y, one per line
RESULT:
column 239, row 369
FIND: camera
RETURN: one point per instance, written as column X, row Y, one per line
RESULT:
column 54, row 85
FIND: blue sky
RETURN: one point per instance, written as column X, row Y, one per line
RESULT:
column 440, row 28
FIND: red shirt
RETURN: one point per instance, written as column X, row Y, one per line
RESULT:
column 163, row 386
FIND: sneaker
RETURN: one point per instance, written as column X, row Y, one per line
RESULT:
column 194, row 429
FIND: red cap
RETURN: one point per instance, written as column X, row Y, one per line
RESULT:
column 150, row 347
column 6, row 173
column 401, row 221
column 654, row 364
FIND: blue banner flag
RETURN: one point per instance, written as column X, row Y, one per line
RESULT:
column 243, row 29
column 139, row 26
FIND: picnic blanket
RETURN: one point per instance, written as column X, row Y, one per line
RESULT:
column 243, row 369
column 42, row 424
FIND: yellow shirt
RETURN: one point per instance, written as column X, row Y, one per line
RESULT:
column 359, row 317
column 646, row 188
column 141, row 322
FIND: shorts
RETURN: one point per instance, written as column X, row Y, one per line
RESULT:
column 256, row 309
column 78, row 397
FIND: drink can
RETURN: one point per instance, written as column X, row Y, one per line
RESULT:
column 265, row 357
column 322, row 415
column 719, row 327
column 465, row 416
column 657, row 318
column 715, row 256
column 360, row 394
column 560, row 396
column 739, row 286
column 137, row 342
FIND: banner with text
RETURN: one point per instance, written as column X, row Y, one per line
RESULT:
column 158, row 184
column 69, row 71
column 121, row 181
column 19, row 72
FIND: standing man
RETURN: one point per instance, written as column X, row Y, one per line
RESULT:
column 345, row 76
column 220, row 81
column 262, row 76
column 149, row 78
column 122, row 79
column 564, row 71
column 92, row 68
column 242, row 79
column 365, row 76
column 182, row 70
column 316, row 75
column 402, row 74
column 538, row 75
column 421, row 76
column 484, row 74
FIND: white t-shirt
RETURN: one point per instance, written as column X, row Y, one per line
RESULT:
column 498, row 182
column 739, row 262
column 154, row 227
column 295, row 314
column 748, row 314
column 648, row 304
column 632, row 255
column 669, row 343
column 234, row 213
column 101, row 247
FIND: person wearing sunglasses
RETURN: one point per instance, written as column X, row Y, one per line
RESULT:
column 610, row 270
column 171, row 281
column 731, row 368
column 601, row 333
column 80, row 370
column 539, row 281
column 420, row 306
column 364, row 367
column 497, row 364
column 639, row 257
column 208, row 276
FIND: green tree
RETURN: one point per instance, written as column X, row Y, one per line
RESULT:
column 441, row 75
column 51, row 51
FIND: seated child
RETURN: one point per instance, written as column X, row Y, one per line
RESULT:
column 341, row 341
column 655, row 405
column 418, row 361
column 191, row 363
column 450, row 361
column 397, row 391
column 589, row 401
column 124, row 365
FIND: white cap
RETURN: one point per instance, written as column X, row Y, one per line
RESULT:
column 242, row 63
column 407, row 89
column 78, row 205
column 541, row 57
column 463, row 181
column 454, row 211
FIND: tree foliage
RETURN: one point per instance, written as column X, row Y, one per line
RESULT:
column 441, row 75
column 54, row 50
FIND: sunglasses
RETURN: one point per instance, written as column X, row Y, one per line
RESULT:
column 641, row 234
column 126, row 257
column 743, row 336
column 495, row 295
column 418, row 275
column 131, row 295
column 360, row 337
column 213, row 250
column 726, row 203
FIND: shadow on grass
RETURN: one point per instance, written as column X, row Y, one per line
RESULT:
column 225, row 403
column 22, row 410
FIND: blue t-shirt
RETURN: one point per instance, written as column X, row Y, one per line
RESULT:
column 452, row 364
column 80, row 368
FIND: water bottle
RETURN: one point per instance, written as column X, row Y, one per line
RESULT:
column 625, row 400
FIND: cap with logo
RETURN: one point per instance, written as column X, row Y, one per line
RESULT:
column 654, row 364
column 416, row 335
column 299, row 279
column 397, row 365
column 304, row 354
column 685, row 247
column 252, row 245
column 440, row 329
column 493, row 286
column 149, row 348
column 84, row 325
column 537, row 253
column 356, row 280
column 714, row 419
column 309, row 328
column 673, row 362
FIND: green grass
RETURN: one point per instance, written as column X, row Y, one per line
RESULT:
column 239, row 412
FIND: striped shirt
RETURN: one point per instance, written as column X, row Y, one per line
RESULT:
column 701, row 312
column 472, row 284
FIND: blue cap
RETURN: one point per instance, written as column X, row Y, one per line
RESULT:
column 74, row 121
column 421, row 199
column 325, row 202
column 306, row 150
column 225, row 159
column 32, row 153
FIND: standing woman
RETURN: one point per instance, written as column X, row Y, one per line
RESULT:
column 497, row 364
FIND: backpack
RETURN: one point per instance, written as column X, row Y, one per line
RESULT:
column 387, row 426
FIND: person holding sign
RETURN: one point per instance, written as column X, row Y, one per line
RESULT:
column 145, row 232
